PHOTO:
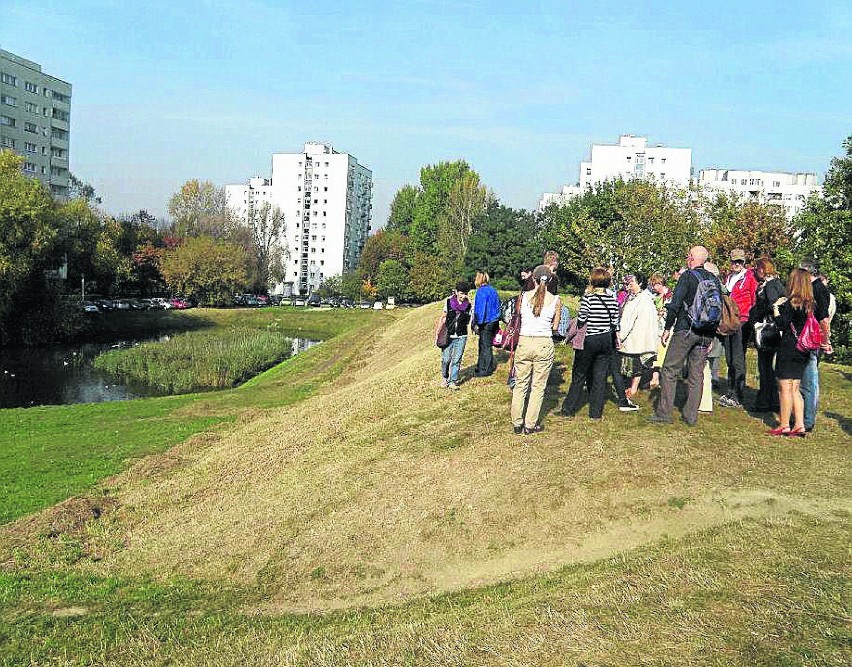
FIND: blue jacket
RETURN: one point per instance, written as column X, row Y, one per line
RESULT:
column 486, row 305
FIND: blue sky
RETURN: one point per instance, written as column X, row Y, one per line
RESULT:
column 167, row 91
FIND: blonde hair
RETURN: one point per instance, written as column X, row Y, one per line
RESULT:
column 800, row 292
column 481, row 278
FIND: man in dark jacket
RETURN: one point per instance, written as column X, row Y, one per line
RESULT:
column 684, row 342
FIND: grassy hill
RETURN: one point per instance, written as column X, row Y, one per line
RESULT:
column 385, row 520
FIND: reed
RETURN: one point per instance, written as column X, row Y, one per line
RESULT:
column 198, row 360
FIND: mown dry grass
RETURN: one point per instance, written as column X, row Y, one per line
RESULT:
column 385, row 487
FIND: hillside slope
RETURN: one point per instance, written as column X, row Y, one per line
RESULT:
column 386, row 486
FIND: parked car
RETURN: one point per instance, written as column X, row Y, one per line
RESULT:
column 90, row 308
column 179, row 304
column 314, row 300
column 159, row 303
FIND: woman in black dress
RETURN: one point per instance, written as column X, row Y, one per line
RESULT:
column 790, row 313
column 770, row 289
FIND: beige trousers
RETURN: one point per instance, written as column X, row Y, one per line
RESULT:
column 533, row 361
column 706, row 404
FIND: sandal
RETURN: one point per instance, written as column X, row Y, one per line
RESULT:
column 781, row 430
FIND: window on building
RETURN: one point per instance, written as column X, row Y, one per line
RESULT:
column 29, row 167
column 650, row 160
column 8, row 142
column 30, row 147
column 776, row 184
column 663, row 160
column 30, row 87
column 8, row 122
column 663, row 175
column 325, row 189
column 8, row 78
column 31, row 108
column 10, row 101
column 325, row 215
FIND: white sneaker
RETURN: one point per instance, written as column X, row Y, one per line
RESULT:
column 628, row 406
column 453, row 386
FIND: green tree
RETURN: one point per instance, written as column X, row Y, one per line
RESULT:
column 503, row 241
column 627, row 226
column 79, row 189
column 824, row 228
column 430, row 278
column 466, row 201
column 393, row 280
column 402, row 209
column 381, row 246
column 208, row 270
column 146, row 269
column 759, row 228
column 350, row 285
column 199, row 208
column 30, row 235
column 436, row 183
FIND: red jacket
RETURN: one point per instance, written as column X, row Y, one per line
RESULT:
column 744, row 293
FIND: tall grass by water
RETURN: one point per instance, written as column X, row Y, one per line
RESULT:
column 198, row 360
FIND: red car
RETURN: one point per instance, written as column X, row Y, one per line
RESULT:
column 179, row 304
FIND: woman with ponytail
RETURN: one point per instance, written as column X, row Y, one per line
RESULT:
column 540, row 312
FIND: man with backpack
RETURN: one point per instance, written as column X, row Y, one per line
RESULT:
column 692, row 317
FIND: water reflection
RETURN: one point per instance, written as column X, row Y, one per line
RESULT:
column 61, row 375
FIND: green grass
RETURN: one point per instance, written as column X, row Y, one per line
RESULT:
column 758, row 592
column 48, row 454
column 426, row 534
column 198, row 360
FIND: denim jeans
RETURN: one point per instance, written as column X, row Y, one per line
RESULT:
column 451, row 357
column 810, row 390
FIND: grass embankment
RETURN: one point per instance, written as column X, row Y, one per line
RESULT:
column 397, row 507
column 50, row 453
column 198, row 360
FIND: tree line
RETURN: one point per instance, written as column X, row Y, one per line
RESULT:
column 49, row 249
column 446, row 227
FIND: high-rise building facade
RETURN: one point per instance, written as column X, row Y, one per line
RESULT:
column 789, row 190
column 630, row 158
column 326, row 198
column 35, row 120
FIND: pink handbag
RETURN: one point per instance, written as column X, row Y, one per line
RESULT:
column 810, row 337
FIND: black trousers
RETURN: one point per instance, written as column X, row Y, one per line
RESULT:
column 735, row 357
column 767, row 395
column 485, row 362
column 591, row 363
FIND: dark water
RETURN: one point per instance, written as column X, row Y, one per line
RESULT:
column 61, row 375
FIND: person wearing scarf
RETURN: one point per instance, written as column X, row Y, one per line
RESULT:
column 457, row 311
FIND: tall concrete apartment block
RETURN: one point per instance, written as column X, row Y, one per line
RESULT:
column 789, row 190
column 326, row 197
column 630, row 158
column 35, row 120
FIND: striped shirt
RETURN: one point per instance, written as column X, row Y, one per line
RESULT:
column 599, row 312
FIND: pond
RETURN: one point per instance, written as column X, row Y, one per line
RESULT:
column 60, row 375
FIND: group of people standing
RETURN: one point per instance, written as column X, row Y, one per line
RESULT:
column 645, row 330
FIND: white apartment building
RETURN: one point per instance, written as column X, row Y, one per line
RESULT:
column 630, row 158
column 787, row 189
column 326, row 197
